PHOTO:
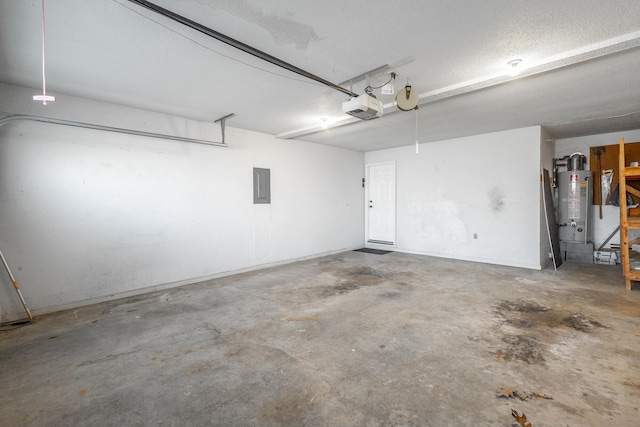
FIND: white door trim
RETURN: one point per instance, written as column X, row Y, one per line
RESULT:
column 368, row 241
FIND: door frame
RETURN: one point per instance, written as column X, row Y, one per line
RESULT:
column 367, row 181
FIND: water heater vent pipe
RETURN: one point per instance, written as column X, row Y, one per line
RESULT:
column 576, row 162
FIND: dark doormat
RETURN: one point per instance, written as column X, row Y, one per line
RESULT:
column 372, row 251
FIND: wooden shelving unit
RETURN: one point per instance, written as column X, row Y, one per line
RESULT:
column 627, row 222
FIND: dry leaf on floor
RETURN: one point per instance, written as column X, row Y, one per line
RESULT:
column 522, row 420
column 510, row 392
column 506, row 392
column 543, row 396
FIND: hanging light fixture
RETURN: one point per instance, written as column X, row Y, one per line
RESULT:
column 44, row 97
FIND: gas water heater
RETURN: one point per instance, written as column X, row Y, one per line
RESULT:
column 575, row 197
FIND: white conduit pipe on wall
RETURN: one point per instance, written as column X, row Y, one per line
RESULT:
column 16, row 117
column 19, row 117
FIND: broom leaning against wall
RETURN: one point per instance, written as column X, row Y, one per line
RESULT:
column 15, row 285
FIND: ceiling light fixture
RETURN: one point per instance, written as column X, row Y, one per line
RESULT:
column 514, row 67
column 44, row 97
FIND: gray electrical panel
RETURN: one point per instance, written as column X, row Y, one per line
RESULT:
column 261, row 186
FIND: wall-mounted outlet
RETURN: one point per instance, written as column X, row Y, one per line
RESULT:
column 475, row 236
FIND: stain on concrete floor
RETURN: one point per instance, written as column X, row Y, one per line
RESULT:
column 341, row 281
column 348, row 339
column 538, row 326
column 522, row 347
column 532, row 316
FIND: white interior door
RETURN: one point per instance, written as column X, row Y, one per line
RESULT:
column 381, row 203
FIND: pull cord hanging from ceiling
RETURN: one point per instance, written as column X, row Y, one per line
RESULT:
column 44, row 97
column 417, row 146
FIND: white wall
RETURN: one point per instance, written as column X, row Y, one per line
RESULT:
column 87, row 215
column 485, row 184
column 602, row 228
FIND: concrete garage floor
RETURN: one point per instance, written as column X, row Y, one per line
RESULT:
column 348, row 339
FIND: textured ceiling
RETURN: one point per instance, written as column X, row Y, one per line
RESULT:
column 580, row 60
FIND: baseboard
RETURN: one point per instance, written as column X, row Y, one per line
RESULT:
column 473, row 259
column 176, row 284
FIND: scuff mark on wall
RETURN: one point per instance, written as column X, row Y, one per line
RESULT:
column 496, row 200
column 435, row 220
